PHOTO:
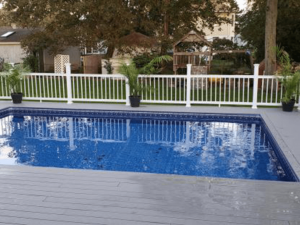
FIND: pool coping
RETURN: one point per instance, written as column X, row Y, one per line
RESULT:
column 280, row 149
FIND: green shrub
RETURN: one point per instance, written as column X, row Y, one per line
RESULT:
column 108, row 66
column 14, row 75
column 31, row 62
column 132, row 72
column 142, row 60
column 288, row 79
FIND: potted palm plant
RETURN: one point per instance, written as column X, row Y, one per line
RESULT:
column 131, row 72
column 14, row 76
column 289, row 81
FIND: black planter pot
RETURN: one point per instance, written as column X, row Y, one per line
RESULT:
column 17, row 98
column 288, row 106
column 135, row 101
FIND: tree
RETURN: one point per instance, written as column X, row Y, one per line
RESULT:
column 85, row 22
column 59, row 24
column 270, row 37
column 2, row 15
column 223, row 44
column 172, row 19
column 252, row 27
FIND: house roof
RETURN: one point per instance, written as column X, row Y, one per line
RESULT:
column 192, row 37
column 137, row 39
column 17, row 36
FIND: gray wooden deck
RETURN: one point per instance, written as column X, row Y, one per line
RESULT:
column 42, row 196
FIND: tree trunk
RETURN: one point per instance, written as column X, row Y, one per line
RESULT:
column 166, row 20
column 166, row 29
column 270, row 37
column 110, row 50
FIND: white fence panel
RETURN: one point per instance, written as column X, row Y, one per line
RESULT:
column 163, row 89
column 94, row 87
column 5, row 91
column 44, row 86
column 270, row 91
column 38, row 86
column 221, row 89
column 250, row 90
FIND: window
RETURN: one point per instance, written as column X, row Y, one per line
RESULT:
column 8, row 34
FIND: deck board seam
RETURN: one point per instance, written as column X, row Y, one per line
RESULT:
column 140, row 214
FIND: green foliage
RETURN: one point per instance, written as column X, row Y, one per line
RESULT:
column 59, row 24
column 131, row 72
column 252, row 27
column 32, row 62
column 151, row 64
column 108, row 66
column 142, row 60
column 153, row 67
column 237, row 60
column 3, row 22
column 223, row 44
column 289, row 80
column 14, row 76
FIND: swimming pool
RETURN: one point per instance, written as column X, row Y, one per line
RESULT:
column 215, row 145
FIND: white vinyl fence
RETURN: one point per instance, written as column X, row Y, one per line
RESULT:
column 187, row 135
column 251, row 90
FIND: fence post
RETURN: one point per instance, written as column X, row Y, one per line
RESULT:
column 69, row 84
column 127, row 92
column 188, row 85
column 255, row 86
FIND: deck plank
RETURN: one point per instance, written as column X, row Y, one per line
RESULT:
column 52, row 196
column 34, row 195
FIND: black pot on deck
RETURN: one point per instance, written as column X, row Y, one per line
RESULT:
column 288, row 106
column 135, row 101
column 17, row 98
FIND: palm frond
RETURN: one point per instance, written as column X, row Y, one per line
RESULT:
column 289, row 80
column 14, row 74
column 131, row 73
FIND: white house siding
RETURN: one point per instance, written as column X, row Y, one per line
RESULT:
column 225, row 30
column 12, row 52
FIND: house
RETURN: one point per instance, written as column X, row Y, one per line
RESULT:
column 225, row 30
column 12, row 52
column 10, row 46
column 129, row 46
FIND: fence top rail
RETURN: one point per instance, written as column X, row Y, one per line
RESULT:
column 162, row 76
column 268, row 76
column 39, row 74
column 221, row 76
column 150, row 76
column 98, row 75
column 26, row 74
column 46, row 74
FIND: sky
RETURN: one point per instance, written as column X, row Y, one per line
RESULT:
column 242, row 3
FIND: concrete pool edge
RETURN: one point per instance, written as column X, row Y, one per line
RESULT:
column 282, row 145
column 271, row 116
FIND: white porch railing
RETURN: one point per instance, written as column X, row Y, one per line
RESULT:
column 252, row 90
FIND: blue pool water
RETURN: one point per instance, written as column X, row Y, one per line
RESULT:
column 208, row 146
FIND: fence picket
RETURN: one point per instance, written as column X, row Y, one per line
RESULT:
column 181, row 89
